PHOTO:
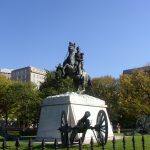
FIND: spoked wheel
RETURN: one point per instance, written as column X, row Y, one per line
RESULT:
column 101, row 127
column 64, row 127
column 140, row 123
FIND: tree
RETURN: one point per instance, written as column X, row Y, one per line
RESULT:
column 19, row 101
column 27, row 103
column 106, row 88
column 134, row 95
column 6, row 98
column 54, row 86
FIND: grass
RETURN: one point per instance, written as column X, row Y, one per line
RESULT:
column 129, row 144
column 14, row 133
column 108, row 146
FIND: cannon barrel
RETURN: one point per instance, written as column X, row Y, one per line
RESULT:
column 83, row 124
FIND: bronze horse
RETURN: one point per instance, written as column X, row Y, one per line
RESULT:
column 79, row 81
column 69, row 68
column 73, row 67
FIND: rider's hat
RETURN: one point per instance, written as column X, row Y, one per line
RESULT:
column 78, row 49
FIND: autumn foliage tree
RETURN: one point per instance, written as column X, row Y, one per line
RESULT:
column 134, row 96
column 6, row 98
column 106, row 88
column 19, row 101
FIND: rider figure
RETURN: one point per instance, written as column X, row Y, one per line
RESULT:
column 79, row 61
column 82, row 54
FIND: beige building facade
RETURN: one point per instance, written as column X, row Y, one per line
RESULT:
column 29, row 74
column 6, row 72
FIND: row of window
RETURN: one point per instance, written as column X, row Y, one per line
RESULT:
column 25, row 75
column 38, row 76
column 20, row 72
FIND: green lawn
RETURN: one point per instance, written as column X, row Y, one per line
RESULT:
column 129, row 144
column 119, row 144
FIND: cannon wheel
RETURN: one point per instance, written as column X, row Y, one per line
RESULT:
column 140, row 123
column 101, row 127
column 64, row 124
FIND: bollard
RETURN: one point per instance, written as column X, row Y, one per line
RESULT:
column 68, row 143
column 143, row 142
column 114, row 143
column 4, row 144
column 80, row 144
column 133, row 142
column 124, row 143
column 17, row 144
column 92, row 143
column 30, row 144
column 55, row 144
column 43, row 144
column 67, row 137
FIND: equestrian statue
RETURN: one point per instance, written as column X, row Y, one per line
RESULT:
column 73, row 67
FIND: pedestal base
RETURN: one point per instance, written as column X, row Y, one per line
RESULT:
column 75, row 105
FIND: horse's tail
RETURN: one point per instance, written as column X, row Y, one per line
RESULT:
column 65, row 62
column 89, row 81
column 91, row 85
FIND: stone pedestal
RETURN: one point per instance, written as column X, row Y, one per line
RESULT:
column 75, row 105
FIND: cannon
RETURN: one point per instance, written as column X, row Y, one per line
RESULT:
column 70, row 134
column 143, row 124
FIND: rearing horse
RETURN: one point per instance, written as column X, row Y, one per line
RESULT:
column 70, row 69
column 80, row 82
column 68, row 64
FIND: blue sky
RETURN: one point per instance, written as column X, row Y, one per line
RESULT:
column 113, row 34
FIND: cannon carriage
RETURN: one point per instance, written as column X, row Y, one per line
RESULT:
column 143, row 124
column 73, row 134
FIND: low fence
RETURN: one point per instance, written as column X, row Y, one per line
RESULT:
column 56, row 146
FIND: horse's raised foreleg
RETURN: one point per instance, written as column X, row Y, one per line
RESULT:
column 63, row 70
column 81, row 91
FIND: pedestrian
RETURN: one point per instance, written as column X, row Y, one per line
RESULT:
column 112, row 126
column 118, row 128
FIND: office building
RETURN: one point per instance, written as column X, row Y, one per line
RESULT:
column 29, row 74
column 130, row 71
column 6, row 72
